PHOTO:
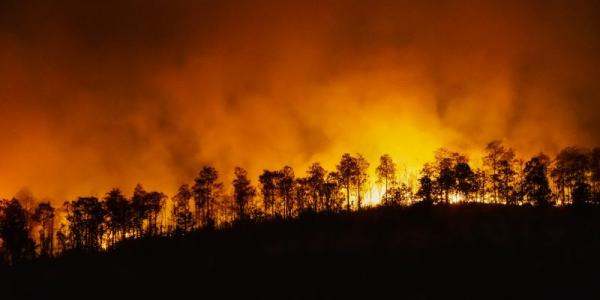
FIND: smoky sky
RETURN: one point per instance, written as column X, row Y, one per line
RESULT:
column 96, row 94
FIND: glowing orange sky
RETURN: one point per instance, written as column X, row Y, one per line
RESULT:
column 118, row 92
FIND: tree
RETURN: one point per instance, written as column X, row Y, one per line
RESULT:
column 425, row 191
column 535, row 182
column 63, row 239
column 386, row 173
column 581, row 193
column 347, row 170
column 480, row 184
column 445, row 169
column 353, row 173
column 518, row 194
column 301, row 192
column 466, row 180
column 285, row 186
column 181, row 209
column 331, row 192
column 154, row 201
column 146, row 208
column 118, row 212
column 499, row 161
column 316, row 183
column 140, row 209
column 361, row 178
column 268, row 182
column 571, row 166
column 15, row 232
column 594, row 164
column 206, row 191
column 44, row 217
column 243, row 192
column 445, row 182
column 86, row 217
column 397, row 195
column 505, row 180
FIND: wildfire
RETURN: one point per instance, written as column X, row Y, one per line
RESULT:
column 455, row 198
column 375, row 194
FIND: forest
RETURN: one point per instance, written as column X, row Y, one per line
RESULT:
column 509, row 214
column 93, row 224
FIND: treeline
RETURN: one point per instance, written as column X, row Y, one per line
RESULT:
column 93, row 224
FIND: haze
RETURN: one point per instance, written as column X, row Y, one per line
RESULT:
column 112, row 93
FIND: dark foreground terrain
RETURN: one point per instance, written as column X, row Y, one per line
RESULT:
column 469, row 251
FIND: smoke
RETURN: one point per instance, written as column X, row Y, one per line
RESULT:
column 111, row 93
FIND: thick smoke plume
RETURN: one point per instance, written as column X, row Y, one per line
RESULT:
column 96, row 94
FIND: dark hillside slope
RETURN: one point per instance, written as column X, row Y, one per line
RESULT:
column 468, row 251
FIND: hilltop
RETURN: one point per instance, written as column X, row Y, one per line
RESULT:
column 466, row 251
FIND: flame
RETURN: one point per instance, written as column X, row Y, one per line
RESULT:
column 455, row 198
column 375, row 194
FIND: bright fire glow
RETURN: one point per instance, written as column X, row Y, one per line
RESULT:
column 455, row 198
column 92, row 102
column 375, row 194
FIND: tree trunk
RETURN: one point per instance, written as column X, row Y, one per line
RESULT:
column 348, row 197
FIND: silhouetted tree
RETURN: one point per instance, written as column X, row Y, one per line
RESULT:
column 505, row 180
column 347, row 170
column 243, row 192
column 594, row 165
column 361, row 178
column 316, row 183
column 206, row 191
column 445, row 169
column 331, row 192
column 63, row 239
column 154, row 201
column 397, row 195
column 535, row 182
column 466, row 181
column 86, row 223
column 118, row 213
column 181, row 209
column 425, row 191
column 301, row 193
column 518, row 194
column 386, row 173
column 14, row 232
column 93, row 224
column 581, row 193
column 268, row 181
column 570, row 167
column 498, row 161
column 445, row 182
column 353, row 173
column 140, row 209
column 44, row 217
column 285, row 186
column 480, row 184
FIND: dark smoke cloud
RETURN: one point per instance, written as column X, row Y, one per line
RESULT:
column 95, row 94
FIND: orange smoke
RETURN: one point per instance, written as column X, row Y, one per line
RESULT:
column 101, row 95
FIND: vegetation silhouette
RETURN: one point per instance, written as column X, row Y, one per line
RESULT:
column 465, row 229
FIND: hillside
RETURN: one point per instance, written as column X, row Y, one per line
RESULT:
column 468, row 251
